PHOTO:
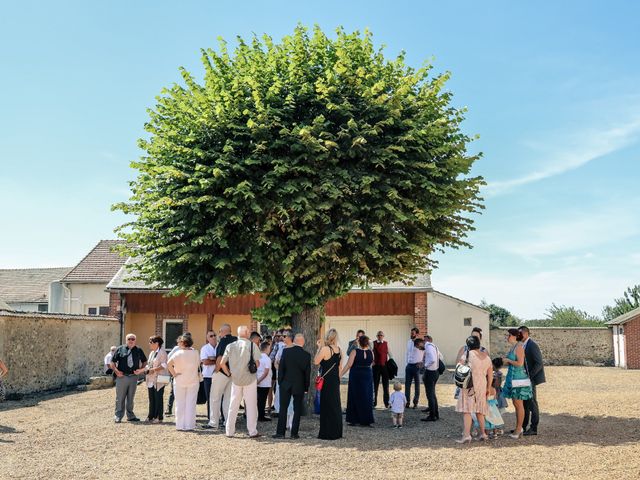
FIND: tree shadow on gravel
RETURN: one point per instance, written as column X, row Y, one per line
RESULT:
column 33, row 400
column 555, row 430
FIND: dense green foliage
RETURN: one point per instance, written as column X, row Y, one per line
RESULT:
column 629, row 301
column 561, row 316
column 299, row 169
column 500, row 316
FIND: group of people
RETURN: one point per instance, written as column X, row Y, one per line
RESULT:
column 272, row 374
column 483, row 401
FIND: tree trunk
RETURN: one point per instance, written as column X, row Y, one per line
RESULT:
column 308, row 323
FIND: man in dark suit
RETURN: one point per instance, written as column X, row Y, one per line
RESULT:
column 535, row 369
column 294, row 375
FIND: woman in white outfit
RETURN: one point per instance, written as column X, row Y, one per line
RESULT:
column 183, row 366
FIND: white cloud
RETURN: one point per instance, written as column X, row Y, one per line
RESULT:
column 578, row 149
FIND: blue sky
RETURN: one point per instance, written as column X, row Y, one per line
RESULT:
column 551, row 87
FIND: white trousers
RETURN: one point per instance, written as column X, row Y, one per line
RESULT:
column 220, row 394
column 250, row 395
column 186, row 400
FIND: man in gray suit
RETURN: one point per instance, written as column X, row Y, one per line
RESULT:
column 535, row 369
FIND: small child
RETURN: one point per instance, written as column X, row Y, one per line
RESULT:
column 397, row 402
column 497, row 383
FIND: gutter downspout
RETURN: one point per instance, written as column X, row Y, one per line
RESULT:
column 68, row 290
column 123, row 310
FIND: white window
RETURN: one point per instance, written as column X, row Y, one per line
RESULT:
column 98, row 310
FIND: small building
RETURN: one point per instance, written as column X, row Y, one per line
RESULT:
column 81, row 290
column 626, row 339
column 395, row 308
column 27, row 289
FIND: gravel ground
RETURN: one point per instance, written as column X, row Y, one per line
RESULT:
column 590, row 428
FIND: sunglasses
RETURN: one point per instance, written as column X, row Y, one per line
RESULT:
column 212, row 336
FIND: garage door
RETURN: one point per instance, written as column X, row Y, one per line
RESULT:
column 396, row 330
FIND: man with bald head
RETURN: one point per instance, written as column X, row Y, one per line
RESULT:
column 220, row 393
column 235, row 361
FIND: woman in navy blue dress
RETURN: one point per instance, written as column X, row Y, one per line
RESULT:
column 360, row 391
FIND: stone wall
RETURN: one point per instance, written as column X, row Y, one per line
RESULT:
column 564, row 346
column 52, row 351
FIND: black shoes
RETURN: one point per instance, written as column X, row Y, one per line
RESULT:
column 277, row 435
column 295, row 437
column 134, row 419
column 429, row 419
column 530, row 432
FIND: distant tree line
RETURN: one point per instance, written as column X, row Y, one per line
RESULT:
column 566, row 316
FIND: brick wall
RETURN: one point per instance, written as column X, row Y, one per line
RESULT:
column 420, row 311
column 565, row 346
column 632, row 340
column 52, row 351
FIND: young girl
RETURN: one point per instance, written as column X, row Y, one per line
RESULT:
column 497, row 383
column 397, row 403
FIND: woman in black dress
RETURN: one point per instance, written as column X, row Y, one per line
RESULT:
column 360, row 392
column 329, row 357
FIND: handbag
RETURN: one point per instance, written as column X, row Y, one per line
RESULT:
column 523, row 382
column 441, row 367
column 253, row 368
column 163, row 379
column 319, row 381
column 462, row 375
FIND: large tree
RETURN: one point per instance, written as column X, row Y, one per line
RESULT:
column 500, row 316
column 630, row 300
column 298, row 170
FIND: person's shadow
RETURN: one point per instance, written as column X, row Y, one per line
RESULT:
column 7, row 430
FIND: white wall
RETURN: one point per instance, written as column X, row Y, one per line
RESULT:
column 445, row 319
column 84, row 295
column 24, row 307
column 395, row 327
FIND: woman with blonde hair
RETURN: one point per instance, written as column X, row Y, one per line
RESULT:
column 329, row 357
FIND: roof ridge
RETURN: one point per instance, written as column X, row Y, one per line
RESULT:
column 32, row 268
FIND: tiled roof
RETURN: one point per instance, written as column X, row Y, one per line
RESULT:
column 123, row 280
column 625, row 317
column 28, row 285
column 99, row 266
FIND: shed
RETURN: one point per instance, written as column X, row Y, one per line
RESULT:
column 626, row 339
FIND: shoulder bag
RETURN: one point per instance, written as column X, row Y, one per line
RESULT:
column 522, row 382
column 319, row 381
column 462, row 374
column 253, row 368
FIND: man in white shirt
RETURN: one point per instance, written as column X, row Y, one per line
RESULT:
column 107, row 360
column 430, row 378
column 208, row 358
column 235, row 363
column 414, row 362
column 264, row 376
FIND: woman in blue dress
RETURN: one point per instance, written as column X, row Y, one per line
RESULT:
column 360, row 390
column 515, row 385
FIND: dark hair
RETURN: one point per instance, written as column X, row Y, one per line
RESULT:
column 363, row 341
column 288, row 334
column 516, row 333
column 186, row 339
column 524, row 328
column 497, row 363
column 415, row 329
column 157, row 340
column 360, row 331
column 264, row 346
column 418, row 341
column 473, row 343
column 428, row 338
column 254, row 335
column 477, row 330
